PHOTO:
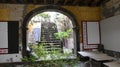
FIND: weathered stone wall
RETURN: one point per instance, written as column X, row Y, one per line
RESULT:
column 111, row 8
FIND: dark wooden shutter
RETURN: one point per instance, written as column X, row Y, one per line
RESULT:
column 13, row 37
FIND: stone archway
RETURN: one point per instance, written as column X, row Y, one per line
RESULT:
column 50, row 8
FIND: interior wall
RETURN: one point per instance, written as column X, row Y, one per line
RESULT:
column 110, row 33
column 17, row 12
column 4, row 13
column 11, row 12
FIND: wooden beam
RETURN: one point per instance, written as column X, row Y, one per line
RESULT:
column 45, row 1
column 5, row 1
column 86, row 2
column 56, row 1
column 90, row 3
column 34, row 1
column 100, row 2
column 65, row 2
column 25, row 1
column 76, row 1
column 1, row 1
column 14, row 1
column 94, row 3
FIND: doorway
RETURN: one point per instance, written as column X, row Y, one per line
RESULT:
column 40, row 21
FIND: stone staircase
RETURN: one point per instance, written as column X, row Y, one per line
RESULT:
column 48, row 38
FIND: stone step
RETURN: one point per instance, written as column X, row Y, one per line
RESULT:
column 48, row 31
column 50, row 49
column 52, row 43
column 49, row 46
column 55, row 41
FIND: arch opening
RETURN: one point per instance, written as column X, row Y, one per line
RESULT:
column 40, row 26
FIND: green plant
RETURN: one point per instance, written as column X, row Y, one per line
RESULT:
column 63, row 34
column 54, row 58
column 40, row 50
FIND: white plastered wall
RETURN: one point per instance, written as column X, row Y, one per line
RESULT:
column 110, row 33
